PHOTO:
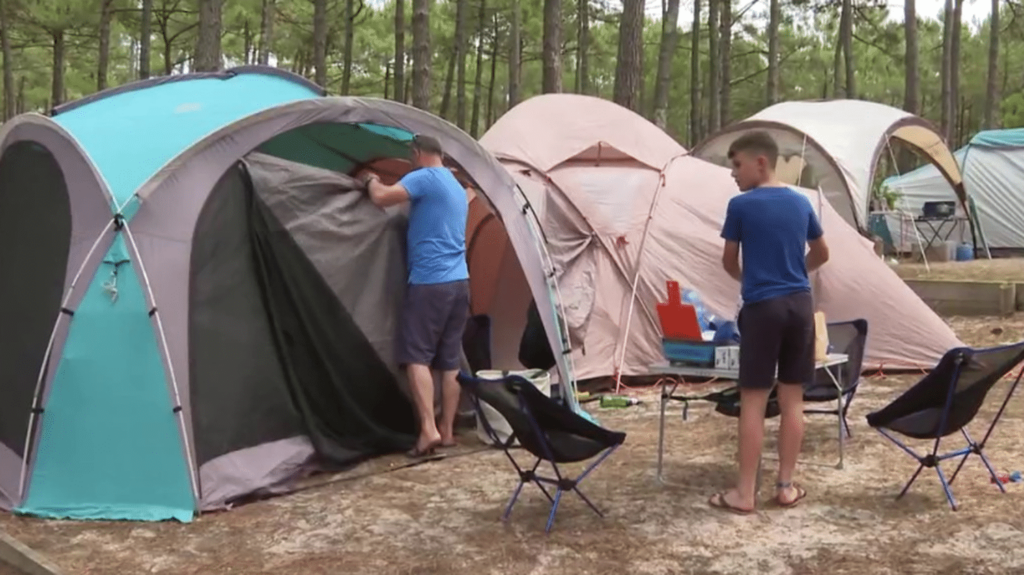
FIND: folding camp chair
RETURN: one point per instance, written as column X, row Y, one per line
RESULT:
column 547, row 429
column 944, row 402
column 850, row 339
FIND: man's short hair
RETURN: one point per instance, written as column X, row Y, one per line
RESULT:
column 757, row 143
column 428, row 144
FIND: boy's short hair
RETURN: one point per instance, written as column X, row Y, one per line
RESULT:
column 428, row 144
column 758, row 143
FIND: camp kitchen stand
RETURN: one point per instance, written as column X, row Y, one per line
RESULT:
column 667, row 394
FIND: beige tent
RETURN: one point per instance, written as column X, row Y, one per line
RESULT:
column 593, row 171
column 836, row 144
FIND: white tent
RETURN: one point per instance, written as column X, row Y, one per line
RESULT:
column 992, row 165
column 835, row 145
column 619, row 201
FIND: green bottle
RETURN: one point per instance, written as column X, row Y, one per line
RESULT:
column 617, row 401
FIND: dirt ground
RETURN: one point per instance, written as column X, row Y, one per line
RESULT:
column 442, row 517
column 1001, row 269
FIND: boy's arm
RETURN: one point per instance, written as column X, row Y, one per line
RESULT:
column 731, row 233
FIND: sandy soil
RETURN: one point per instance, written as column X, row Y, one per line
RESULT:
column 1003, row 269
column 442, row 517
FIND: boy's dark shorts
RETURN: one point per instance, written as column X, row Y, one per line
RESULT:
column 433, row 320
column 777, row 332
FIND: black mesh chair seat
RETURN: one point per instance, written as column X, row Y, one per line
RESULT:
column 944, row 402
column 546, row 429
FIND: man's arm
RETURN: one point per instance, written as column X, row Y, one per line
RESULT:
column 383, row 195
column 818, row 254
column 731, row 232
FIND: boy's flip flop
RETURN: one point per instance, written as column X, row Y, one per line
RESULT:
column 416, row 452
column 718, row 501
column 800, row 494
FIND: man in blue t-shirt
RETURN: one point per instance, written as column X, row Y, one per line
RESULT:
column 774, row 225
column 436, row 304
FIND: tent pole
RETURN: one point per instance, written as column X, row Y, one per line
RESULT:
column 170, row 365
column 636, row 274
column 37, row 396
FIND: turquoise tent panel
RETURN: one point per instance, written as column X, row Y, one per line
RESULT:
column 110, row 446
column 131, row 135
column 389, row 131
column 999, row 138
column 337, row 147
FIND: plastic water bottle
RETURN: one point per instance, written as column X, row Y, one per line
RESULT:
column 618, row 401
column 690, row 296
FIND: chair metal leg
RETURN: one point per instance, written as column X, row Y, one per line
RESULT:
column 587, row 501
column 913, row 478
column 512, row 501
column 945, row 487
column 554, row 509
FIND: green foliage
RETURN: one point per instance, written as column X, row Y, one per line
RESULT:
column 808, row 37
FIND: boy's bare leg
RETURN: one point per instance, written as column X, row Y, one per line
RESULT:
column 791, row 435
column 751, row 431
column 449, row 407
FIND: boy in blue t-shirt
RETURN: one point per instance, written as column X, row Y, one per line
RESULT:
column 774, row 225
column 436, row 304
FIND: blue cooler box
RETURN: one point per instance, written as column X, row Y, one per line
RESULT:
column 689, row 352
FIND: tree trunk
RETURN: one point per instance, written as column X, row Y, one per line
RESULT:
column 837, row 68
column 208, row 47
column 552, row 51
column 992, row 119
column 947, row 45
column 714, row 69
column 266, row 32
column 583, row 46
column 515, row 72
column 145, row 39
column 911, row 85
column 726, row 65
column 387, row 80
column 495, row 41
column 449, row 81
column 850, row 64
column 247, row 43
column 8, row 62
column 666, row 52
column 629, row 65
column 695, row 77
column 320, row 42
column 400, row 50
column 954, row 71
column 461, row 7
column 478, row 87
column 57, row 88
column 421, row 54
column 774, row 15
column 350, row 39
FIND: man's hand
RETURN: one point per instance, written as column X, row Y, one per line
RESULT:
column 368, row 178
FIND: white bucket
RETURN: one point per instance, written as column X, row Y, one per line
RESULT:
column 540, row 379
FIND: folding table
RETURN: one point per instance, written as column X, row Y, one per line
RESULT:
column 667, row 394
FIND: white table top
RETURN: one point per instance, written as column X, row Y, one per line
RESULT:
column 710, row 372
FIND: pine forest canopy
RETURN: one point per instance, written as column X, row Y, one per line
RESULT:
column 458, row 60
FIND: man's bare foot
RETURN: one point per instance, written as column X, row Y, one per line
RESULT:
column 425, row 445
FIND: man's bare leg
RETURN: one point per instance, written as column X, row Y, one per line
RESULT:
column 449, row 406
column 751, row 430
column 791, row 436
column 421, row 382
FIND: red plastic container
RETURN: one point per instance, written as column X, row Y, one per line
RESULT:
column 678, row 320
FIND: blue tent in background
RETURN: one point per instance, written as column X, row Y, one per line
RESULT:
column 168, row 343
column 992, row 165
